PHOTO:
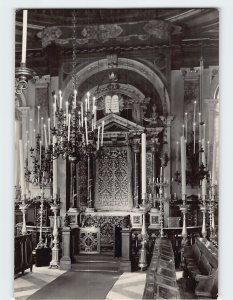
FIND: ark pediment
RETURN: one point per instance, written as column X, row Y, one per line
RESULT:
column 115, row 123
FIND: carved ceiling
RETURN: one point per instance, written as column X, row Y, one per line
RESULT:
column 186, row 33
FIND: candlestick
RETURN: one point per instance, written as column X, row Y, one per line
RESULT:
column 143, row 159
column 49, row 130
column 69, row 118
column 204, row 182
column 60, row 98
column 21, row 159
column 102, row 135
column 194, row 111
column 183, row 167
column 24, row 36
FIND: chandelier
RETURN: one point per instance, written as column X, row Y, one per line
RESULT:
column 75, row 132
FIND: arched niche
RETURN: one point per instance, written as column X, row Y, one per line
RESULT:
column 85, row 72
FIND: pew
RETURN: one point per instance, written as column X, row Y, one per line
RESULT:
column 201, row 264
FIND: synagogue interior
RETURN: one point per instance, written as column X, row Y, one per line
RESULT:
column 116, row 153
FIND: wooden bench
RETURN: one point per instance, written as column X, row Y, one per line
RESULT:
column 201, row 264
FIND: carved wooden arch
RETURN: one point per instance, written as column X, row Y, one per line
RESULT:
column 83, row 73
column 125, row 89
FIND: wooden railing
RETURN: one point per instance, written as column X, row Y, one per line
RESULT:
column 23, row 253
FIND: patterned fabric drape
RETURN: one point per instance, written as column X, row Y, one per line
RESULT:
column 113, row 180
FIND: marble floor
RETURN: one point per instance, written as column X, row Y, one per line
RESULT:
column 128, row 286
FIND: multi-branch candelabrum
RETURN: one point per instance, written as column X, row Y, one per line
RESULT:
column 161, row 184
column 211, row 206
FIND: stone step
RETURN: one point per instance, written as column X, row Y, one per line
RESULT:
column 111, row 267
column 95, row 258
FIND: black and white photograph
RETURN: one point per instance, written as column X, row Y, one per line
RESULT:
column 116, row 153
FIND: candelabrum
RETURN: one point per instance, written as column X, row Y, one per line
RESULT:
column 203, row 209
column 211, row 206
column 184, row 209
column 55, row 250
column 161, row 184
column 23, row 206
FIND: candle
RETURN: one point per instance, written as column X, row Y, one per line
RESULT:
column 204, row 182
column 54, row 171
column 214, row 164
column 75, row 96
column 199, row 121
column 177, row 155
column 24, row 36
column 42, row 131
column 86, row 105
column 38, row 120
column 194, row 137
column 40, row 154
column 98, row 139
column 161, row 172
column 186, row 125
column 49, row 130
column 204, row 127
column 82, row 114
column 55, row 102
column 21, row 159
column 34, row 137
column 60, row 98
column 92, row 124
column 45, row 137
column 69, row 118
column 67, row 112
column 93, row 104
column 88, row 101
column 183, row 168
column 85, row 121
column 208, row 155
column 94, row 109
column 102, row 135
column 194, row 111
column 30, row 131
column 183, row 129
column 143, row 160
column 54, row 115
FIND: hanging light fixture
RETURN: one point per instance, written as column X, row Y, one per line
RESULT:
column 75, row 123
column 22, row 73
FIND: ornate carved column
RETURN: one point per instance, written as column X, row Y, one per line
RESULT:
column 136, row 178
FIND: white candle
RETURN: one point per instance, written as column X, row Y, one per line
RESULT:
column 88, row 101
column 204, row 182
column 102, row 135
column 98, row 139
column 94, row 108
column 42, row 130
column 67, row 112
column 34, row 138
column 194, row 137
column 208, row 155
column 60, row 98
column 54, row 171
column 54, row 115
column 186, row 125
column 21, row 158
column 143, row 159
column 24, row 37
column 86, row 130
column 49, row 126
column 93, row 105
column 86, row 105
column 204, row 129
column 214, row 164
column 30, row 131
column 75, row 96
column 194, row 111
column 82, row 114
column 40, row 154
column 38, row 120
column 92, row 124
column 183, row 129
column 55, row 102
column 45, row 137
column 199, row 122
column 183, row 168
column 69, row 118
column 177, row 155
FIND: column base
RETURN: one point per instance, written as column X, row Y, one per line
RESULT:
column 90, row 209
column 125, row 266
column 65, row 263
